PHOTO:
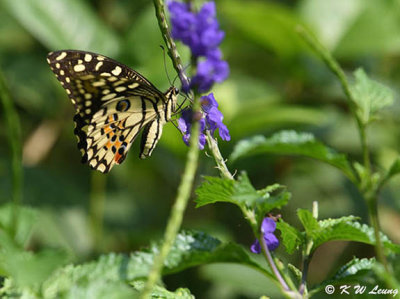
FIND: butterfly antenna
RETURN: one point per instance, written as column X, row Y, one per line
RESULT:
column 184, row 69
column 165, row 66
column 176, row 126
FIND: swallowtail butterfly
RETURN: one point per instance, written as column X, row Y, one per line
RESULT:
column 113, row 104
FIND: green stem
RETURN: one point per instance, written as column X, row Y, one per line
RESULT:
column 14, row 138
column 172, row 51
column 185, row 186
column 175, row 220
column 307, row 255
column 372, row 203
column 219, row 160
column 96, row 208
column 364, row 186
column 326, row 56
column 284, row 287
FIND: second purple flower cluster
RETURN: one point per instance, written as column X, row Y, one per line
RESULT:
column 200, row 32
column 211, row 118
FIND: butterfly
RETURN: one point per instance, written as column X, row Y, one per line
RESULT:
column 113, row 104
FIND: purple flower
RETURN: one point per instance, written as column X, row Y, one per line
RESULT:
column 200, row 31
column 210, row 71
column 185, row 125
column 211, row 119
column 267, row 229
column 214, row 117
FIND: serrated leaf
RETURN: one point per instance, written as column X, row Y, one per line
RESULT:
column 291, row 237
column 344, row 229
column 351, row 272
column 242, row 193
column 160, row 292
column 352, row 231
column 64, row 24
column 214, row 189
column 370, row 96
column 190, row 249
column 310, row 224
column 295, row 272
column 293, row 143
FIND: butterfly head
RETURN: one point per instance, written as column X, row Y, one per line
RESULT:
column 171, row 95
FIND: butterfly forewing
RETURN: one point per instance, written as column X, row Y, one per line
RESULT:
column 113, row 103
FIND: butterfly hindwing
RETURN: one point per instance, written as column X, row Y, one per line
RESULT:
column 113, row 103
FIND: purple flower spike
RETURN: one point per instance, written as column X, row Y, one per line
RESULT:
column 214, row 117
column 210, row 71
column 211, row 119
column 185, row 125
column 267, row 229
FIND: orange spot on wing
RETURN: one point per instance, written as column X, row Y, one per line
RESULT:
column 109, row 144
column 107, row 129
column 117, row 158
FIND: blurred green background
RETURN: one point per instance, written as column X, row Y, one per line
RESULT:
column 276, row 83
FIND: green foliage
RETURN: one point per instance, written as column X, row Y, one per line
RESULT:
column 293, row 143
column 344, row 228
column 355, row 271
column 64, row 24
column 26, row 218
column 393, row 170
column 242, row 193
column 370, row 96
column 118, row 270
column 160, row 292
column 291, row 237
column 271, row 26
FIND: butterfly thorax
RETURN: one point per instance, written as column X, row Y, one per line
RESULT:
column 171, row 97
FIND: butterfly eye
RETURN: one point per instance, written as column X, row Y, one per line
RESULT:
column 123, row 105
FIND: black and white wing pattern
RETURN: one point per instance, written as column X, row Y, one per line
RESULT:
column 113, row 103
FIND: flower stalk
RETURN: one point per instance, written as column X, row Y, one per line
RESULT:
column 185, row 186
column 175, row 220
column 171, row 46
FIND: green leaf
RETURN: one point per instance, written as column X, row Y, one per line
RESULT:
column 330, row 19
column 190, row 249
column 370, row 96
column 393, row 170
column 64, row 24
column 160, row 292
column 371, row 34
column 344, row 229
column 24, row 226
column 214, row 189
column 29, row 269
column 310, row 224
column 242, row 193
column 293, row 143
column 352, row 231
column 352, row 272
column 296, row 273
column 272, row 25
column 291, row 237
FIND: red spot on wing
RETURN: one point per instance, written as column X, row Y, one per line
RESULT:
column 118, row 158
